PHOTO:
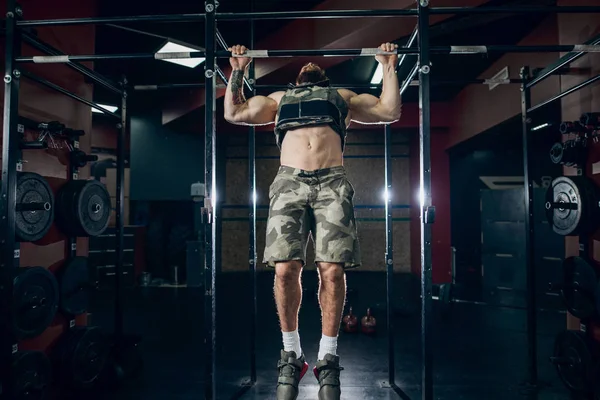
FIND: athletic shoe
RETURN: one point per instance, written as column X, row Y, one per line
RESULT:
column 291, row 371
column 327, row 372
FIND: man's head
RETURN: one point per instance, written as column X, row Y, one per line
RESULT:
column 310, row 73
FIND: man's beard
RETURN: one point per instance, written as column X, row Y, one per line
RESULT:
column 312, row 76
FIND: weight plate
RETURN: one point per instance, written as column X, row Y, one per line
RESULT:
column 31, row 226
column 34, row 302
column 572, row 205
column 84, row 208
column 81, row 356
column 574, row 360
column 75, row 285
column 30, row 376
column 579, row 287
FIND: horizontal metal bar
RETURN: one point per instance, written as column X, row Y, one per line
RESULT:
column 369, row 52
column 565, row 93
column 46, row 48
column 351, row 86
column 516, row 10
column 53, row 86
column 311, row 14
column 114, row 20
column 365, row 52
column 98, row 57
column 266, row 87
column 563, row 61
column 314, row 14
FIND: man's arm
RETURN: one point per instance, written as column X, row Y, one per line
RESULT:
column 258, row 110
column 368, row 109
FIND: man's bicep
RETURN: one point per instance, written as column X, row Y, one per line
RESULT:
column 364, row 108
column 261, row 110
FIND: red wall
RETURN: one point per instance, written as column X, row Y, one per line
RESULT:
column 41, row 104
column 477, row 109
column 440, row 192
column 574, row 29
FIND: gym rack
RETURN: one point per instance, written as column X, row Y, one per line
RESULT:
column 427, row 210
column 9, row 249
column 528, row 82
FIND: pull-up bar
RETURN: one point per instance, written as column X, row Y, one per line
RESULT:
column 351, row 86
column 365, row 52
column 409, row 12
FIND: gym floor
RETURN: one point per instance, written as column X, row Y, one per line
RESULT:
column 479, row 352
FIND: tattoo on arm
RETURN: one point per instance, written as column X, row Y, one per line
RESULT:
column 237, row 87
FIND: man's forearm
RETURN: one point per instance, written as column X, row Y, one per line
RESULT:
column 234, row 96
column 390, row 91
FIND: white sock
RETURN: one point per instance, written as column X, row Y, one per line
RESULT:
column 291, row 342
column 328, row 344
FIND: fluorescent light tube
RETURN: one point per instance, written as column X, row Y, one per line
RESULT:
column 378, row 75
column 107, row 107
column 171, row 47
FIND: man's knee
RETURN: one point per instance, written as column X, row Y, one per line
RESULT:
column 288, row 271
column 331, row 273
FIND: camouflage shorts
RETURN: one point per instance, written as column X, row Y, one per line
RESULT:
column 312, row 203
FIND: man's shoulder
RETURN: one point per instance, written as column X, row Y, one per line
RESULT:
column 277, row 96
column 346, row 94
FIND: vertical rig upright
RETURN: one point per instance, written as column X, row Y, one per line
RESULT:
column 9, row 247
column 210, row 382
column 529, row 233
column 427, row 210
column 253, row 259
column 119, row 243
column 389, row 252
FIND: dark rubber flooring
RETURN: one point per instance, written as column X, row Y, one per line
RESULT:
column 479, row 352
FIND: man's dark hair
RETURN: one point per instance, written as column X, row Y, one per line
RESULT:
column 311, row 73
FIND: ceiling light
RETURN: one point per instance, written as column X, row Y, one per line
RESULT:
column 378, row 75
column 107, row 107
column 171, row 47
column 537, row 128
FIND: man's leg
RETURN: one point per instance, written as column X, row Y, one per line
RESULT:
column 287, row 232
column 336, row 249
column 332, row 295
column 288, row 297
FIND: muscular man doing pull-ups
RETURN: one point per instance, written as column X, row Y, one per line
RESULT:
column 311, row 196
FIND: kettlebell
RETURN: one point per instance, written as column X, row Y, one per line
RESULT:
column 369, row 323
column 350, row 322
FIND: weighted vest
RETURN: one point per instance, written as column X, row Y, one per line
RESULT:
column 311, row 105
